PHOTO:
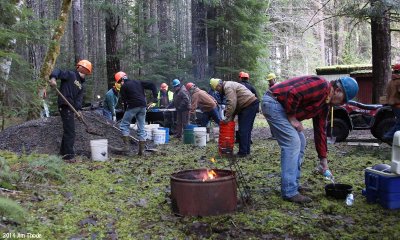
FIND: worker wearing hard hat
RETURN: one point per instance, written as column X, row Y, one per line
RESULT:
column 285, row 105
column 242, row 102
column 164, row 97
column 271, row 79
column 207, row 104
column 71, row 88
column 182, row 105
column 111, row 99
column 244, row 78
column 133, row 96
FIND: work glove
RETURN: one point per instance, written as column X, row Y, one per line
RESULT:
column 53, row 82
column 114, row 118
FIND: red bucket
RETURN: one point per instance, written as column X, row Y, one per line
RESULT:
column 226, row 139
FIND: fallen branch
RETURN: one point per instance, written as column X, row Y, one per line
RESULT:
column 8, row 190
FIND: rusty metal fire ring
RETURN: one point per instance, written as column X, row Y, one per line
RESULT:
column 191, row 195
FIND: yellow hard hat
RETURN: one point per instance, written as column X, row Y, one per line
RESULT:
column 271, row 76
column 214, row 82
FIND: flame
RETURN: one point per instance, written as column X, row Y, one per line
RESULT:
column 211, row 174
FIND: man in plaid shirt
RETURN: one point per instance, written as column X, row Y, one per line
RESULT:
column 285, row 105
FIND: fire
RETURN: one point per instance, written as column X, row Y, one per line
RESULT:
column 211, row 174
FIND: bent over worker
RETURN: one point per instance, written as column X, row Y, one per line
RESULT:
column 111, row 99
column 240, row 101
column 206, row 103
column 285, row 105
column 71, row 87
column 133, row 96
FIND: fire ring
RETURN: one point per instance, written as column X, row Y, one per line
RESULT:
column 197, row 192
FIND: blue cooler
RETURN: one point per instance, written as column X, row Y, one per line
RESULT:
column 382, row 188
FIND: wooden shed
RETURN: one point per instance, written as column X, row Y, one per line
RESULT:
column 361, row 73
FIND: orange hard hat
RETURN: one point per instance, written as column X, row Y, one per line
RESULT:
column 119, row 75
column 85, row 64
column 243, row 75
column 164, row 86
column 189, row 85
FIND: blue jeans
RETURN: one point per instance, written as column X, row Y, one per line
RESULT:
column 140, row 114
column 396, row 127
column 292, row 145
column 107, row 114
column 213, row 114
column 246, row 120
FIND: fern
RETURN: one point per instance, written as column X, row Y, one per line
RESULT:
column 11, row 210
column 7, row 177
column 43, row 169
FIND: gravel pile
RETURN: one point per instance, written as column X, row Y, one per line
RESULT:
column 44, row 135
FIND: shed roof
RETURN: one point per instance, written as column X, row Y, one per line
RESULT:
column 343, row 69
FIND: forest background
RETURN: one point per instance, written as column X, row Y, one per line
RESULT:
column 160, row 40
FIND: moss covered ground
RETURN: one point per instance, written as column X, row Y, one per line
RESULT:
column 128, row 198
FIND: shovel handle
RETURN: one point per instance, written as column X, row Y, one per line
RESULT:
column 66, row 101
column 70, row 106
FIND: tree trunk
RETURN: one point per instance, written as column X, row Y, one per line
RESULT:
column 212, row 42
column 381, row 55
column 5, row 65
column 113, row 62
column 77, row 13
column 164, row 21
column 51, row 57
column 199, row 40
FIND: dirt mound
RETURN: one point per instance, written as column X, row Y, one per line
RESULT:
column 44, row 135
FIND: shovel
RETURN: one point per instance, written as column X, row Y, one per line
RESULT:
column 331, row 139
column 80, row 117
column 147, row 149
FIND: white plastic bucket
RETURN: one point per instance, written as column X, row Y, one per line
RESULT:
column 159, row 136
column 200, row 136
column 149, row 132
column 99, row 149
column 154, row 125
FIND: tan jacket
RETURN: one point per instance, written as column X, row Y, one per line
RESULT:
column 237, row 98
column 203, row 100
column 393, row 91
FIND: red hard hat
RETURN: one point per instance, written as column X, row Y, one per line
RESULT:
column 243, row 75
column 189, row 85
column 396, row 67
column 119, row 75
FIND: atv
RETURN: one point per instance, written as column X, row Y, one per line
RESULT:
column 353, row 115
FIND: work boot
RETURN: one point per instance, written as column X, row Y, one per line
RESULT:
column 142, row 145
column 127, row 143
column 299, row 199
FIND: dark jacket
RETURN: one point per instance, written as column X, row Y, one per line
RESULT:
column 71, row 87
column 250, row 87
column 133, row 95
column 182, row 99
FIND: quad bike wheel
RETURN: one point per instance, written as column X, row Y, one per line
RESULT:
column 341, row 129
column 382, row 127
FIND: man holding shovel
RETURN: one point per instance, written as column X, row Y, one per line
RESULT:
column 71, row 88
column 134, row 98
column 285, row 105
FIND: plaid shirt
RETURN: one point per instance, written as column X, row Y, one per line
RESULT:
column 305, row 97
